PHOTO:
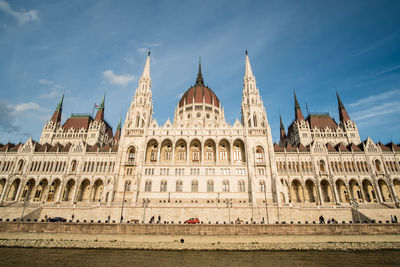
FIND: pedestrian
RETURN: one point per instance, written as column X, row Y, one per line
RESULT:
column 395, row 219
column 72, row 217
column 392, row 219
column 159, row 219
column 321, row 219
column 45, row 218
column 109, row 217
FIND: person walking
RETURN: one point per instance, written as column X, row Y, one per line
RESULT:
column 395, row 219
column 159, row 219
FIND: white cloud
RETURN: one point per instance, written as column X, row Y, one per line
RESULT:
column 374, row 99
column 49, row 83
column 377, row 111
column 21, row 16
column 122, row 80
column 52, row 86
column 129, row 60
column 25, row 107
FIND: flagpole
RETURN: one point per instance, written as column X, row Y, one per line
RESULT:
column 93, row 109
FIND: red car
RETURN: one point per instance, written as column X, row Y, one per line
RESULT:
column 192, row 221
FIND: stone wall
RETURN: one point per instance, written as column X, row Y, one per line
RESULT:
column 168, row 229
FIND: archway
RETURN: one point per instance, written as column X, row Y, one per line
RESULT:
column 84, row 191
column 40, row 190
column 69, row 190
column 369, row 192
column 97, row 190
column 2, row 185
column 180, row 151
column 342, row 190
column 296, row 192
column 224, row 151
column 27, row 192
column 238, row 151
column 166, row 151
column 326, row 191
column 53, row 190
column 209, row 151
column 152, row 151
column 355, row 190
column 311, row 191
column 195, row 151
column 396, row 184
column 12, row 192
column 386, row 196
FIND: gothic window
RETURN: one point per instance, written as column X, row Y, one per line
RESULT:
column 259, row 154
column 181, row 153
column 378, row 165
column 73, row 165
column 237, row 153
column 168, row 153
column 241, row 186
column 254, row 119
column 195, row 186
column 210, row 186
column 153, row 155
column 223, row 154
column 262, row 186
column 147, row 187
column 196, row 153
column 20, row 165
column 225, row 186
column 179, row 186
column 131, row 154
column 209, row 152
column 322, row 165
column 163, row 186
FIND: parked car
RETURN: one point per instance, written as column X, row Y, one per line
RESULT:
column 57, row 219
column 192, row 221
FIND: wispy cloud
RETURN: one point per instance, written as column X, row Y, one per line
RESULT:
column 377, row 111
column 113, row 78
column 375, row 98
column 26, row 107
column 52, row 86
column 21, row 16
column 147, row 46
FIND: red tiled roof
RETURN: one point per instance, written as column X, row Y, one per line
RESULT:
column 92, row 148
column 303, row 148
column 278, row 148
column 7, row 146
column 321, row 121
column 341, row 147
column 15, row 148
column 114, row 148
column 383, row 147
column 105, row 148
column 77, row 122
column 66, row 148
column 290, row 148
column 330, row 147
column 393, row 146
column 353, row 147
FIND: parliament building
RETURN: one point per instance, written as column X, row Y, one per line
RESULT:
column 199, row 166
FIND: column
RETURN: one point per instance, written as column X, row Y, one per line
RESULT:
column 74, row 195
column 60, row 189
column 335, row 193
column 3, row 193
column 321, row 199
column 17, row 196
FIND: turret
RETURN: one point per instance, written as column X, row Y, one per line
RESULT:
column 297, row 110
column 56, row 118
column 282, row 133
column 343, row 116
column 100, row 112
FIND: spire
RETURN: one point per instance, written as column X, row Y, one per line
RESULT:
column 146, row 70
column 248, row 71
column 100, row 112
column 199, row 80
column 118, row 131
column 283, row 132
column 56, row 118
column 343, row 116
column 297, row 110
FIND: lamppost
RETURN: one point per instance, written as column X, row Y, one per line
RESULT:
column 265, row 200
column 229, row 206
column 354, row 205
column 123, row 202
column 145, row 204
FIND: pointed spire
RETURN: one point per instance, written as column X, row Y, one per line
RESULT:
column 146, row 70
column 283, row 132
column 100, row 112
column 343, row 115
column 199, row 80
column 297, row 110
column 248, row 71
column 56, row 118
column 118, row 131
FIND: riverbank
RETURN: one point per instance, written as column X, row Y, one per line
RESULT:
column 210, row 243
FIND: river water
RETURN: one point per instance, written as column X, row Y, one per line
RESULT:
column 113, row 257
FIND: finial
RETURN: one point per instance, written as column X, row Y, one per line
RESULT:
column 246, row 52
column 148, row 54
column 199, row 80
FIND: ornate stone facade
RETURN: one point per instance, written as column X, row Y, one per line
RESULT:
column 199, row 165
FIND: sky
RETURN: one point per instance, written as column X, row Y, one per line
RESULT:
column 87, row 48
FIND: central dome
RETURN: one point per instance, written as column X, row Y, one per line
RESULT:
column 199, row 94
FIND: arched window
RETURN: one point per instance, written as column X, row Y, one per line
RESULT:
column 210, row 186
column 322, row 165
column 195, row 186
column 225, row 186
column 147, row 187
column 163, row 186
column 73, row 166
column 259, row 154
column 196, row 153
column 378, row 165
column 138, row 119
column 209, row 152
column 223, row 154
column 131, row 154
column 237, row 153
column 262, row 186
column 179, row 186
column 182, row 152
column 241, row 186
column 20, row 165
column 254, row 119
column 153, row 155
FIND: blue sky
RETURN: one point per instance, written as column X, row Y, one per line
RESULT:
column 84, row 48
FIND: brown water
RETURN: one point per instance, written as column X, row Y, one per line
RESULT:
column 112, row 257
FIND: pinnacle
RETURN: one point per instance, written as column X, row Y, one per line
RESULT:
column 199, row 80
